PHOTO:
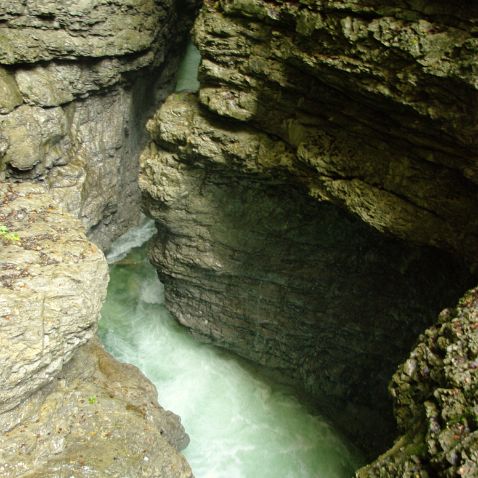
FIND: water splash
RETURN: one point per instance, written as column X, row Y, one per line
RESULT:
column 241, row 425
column 133, row 238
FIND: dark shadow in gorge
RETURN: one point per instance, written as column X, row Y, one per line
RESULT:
column 258, row 267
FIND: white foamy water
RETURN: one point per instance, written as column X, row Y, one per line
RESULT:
column 241, row 425
column 133, row 238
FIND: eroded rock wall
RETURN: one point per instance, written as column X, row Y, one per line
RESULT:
column 77, row 81
column 252, row 263
column 376, row 99
column 366, row 105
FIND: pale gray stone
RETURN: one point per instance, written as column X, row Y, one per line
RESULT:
column 36, row 136
column 98, row 418
column 39, row 30
column 59, row 83
column 53, row 282
column 10, row 96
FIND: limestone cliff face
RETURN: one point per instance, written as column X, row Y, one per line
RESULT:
column 253, row 264
column 307, row 109
column 377, row 100
column 77, row 81
column 66, row 406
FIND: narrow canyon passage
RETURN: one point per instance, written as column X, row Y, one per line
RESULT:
column 241, row 425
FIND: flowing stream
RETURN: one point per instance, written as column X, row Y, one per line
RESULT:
column 241, row 425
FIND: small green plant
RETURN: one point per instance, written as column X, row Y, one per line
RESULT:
column 7, row 235
column 92, row 399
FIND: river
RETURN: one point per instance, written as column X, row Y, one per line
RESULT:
column 242, row 425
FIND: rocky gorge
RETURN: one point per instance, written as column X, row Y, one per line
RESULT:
column 77, row 81
column 315, row 208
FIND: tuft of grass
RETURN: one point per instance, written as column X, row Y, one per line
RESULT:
column 7, row 235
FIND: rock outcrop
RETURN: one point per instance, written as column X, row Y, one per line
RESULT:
column 66, row 406
column 77, row 81
column 53, row 283
column 435, row 395
column 376, row 100
column 98, row 418
column 254, row 264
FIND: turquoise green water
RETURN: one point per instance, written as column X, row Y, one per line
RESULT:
column 186, row 78
column 241, row 426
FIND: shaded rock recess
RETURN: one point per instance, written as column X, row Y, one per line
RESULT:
column 309, row 111
column 253, row 264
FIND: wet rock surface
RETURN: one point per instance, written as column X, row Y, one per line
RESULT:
column 36, row 30
column 252, row 263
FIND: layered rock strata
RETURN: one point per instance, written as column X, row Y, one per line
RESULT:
column 376, row 100
column 53, row 283
column 66, row 406
column 252, row 263
column 77, row 81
